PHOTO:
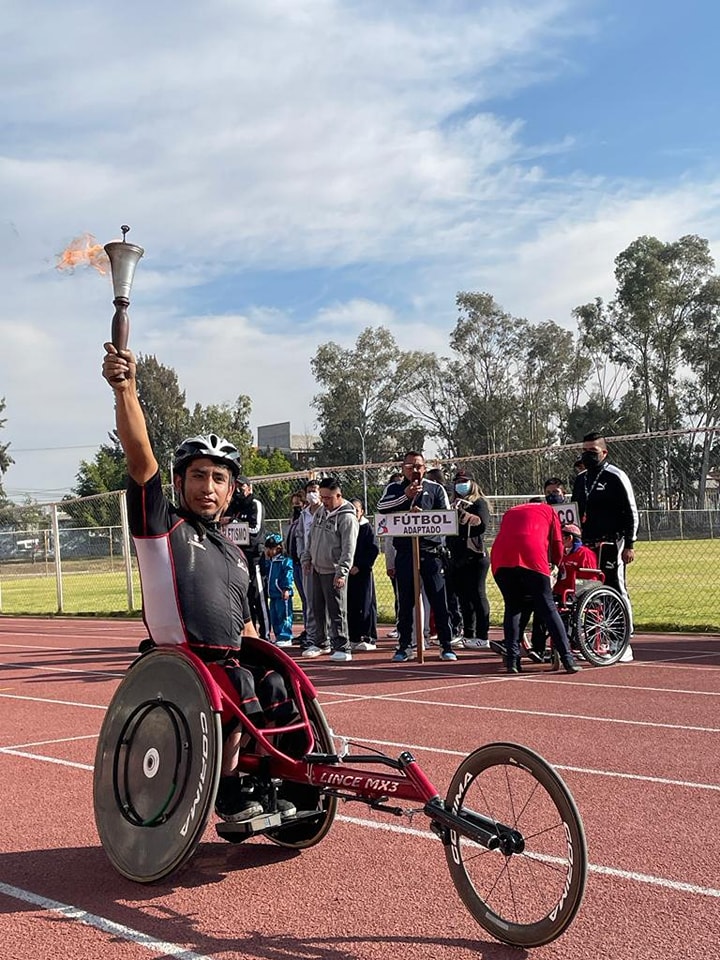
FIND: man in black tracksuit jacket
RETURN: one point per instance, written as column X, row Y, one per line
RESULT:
column 415, row 492
column 608, row 513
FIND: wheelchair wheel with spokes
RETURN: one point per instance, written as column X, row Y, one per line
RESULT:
column 528, row 890
column 157, row 767
column 602, row 623
column 316, row 810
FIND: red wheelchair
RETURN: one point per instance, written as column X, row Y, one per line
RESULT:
column 511, row 832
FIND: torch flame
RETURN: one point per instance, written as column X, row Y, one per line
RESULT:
column 83, row 251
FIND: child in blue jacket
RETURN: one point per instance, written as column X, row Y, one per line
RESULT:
column 280, row 589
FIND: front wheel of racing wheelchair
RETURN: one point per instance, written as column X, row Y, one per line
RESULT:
column 525, row 886
column 158, row 760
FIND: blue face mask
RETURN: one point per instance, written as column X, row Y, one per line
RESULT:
column 555, row 497
column 463, row 489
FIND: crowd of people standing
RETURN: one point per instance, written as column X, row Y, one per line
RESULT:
column 328, row 554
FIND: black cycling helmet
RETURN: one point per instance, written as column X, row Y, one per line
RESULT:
column 212, row 446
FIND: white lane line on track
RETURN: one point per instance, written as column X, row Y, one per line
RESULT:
column 45, row 743
column 38, row 756
column 62, row 703
column 17, row 751
column 398, row 698
column 45, row 668
column 159, row 947
column 427, row 835
column 664, row 781
column 676, row 885
column 437, row 703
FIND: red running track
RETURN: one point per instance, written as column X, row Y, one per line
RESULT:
column 638, row 744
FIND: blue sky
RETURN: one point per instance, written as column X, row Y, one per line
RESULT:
column 300, row 169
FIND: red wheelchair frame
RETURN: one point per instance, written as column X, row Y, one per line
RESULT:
column 512, row 835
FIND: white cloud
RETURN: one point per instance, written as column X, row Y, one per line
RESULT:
column 243, row 142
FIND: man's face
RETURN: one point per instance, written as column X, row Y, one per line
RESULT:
column 414, row 468
column 554, row 488
column 245, row 489
column 331, row 499
column 206, row 488
column 595, row 446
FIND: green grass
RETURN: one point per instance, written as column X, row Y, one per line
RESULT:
column 674, row 585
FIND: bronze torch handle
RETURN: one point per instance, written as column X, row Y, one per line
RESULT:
column 120, row 324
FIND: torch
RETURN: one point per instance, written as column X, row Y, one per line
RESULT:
column 123, row 258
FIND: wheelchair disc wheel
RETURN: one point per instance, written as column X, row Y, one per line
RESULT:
column 528, row 891
column 157, row 767
column 317, row 810
column 602, row 625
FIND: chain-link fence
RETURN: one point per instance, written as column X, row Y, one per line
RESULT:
column 79, row 558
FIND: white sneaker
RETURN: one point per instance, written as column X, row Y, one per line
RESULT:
column 364, row 646
column 457, row 642
column 314, row 651
column 475, row 643
column 393, row 635
column 283, row 643
column 627, row 657
column 341, row 656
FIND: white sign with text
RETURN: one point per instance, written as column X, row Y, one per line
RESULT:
column 238, row 532
column 421, row 523
column 568, row 512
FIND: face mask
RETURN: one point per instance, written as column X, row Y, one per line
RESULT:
column 555, row 497
column 591, row 458
column 462, row 488
column 313, row 497
column 296, row 512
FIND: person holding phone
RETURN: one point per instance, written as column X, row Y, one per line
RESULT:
column 416, row 493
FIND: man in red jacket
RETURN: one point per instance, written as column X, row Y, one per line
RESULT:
column 528, row 543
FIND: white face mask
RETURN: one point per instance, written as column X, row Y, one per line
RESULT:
column 313, row 497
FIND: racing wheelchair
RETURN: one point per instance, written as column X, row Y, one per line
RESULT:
column 511, row 832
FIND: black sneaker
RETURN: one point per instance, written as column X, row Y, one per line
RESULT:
column 571, row 666
column 537, row 656
column 286, row 809
column 234, row 803
column 498, row 648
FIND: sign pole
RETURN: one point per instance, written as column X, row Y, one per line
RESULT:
column 416, row 524
column 419, row 637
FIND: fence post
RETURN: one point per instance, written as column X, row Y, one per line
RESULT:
column 58, row 562
column 680, row 521
column 126, row 551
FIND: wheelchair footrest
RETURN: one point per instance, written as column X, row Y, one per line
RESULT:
column 265, row 821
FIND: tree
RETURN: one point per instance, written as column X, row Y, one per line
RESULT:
column 106, row 472
column 5, row 459
column 642, row 329
column 163, row 403
column 660, row 289
column 227, row 420
column 364, row 402
column 701, row 391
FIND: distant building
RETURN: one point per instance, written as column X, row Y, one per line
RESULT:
column 299, row 447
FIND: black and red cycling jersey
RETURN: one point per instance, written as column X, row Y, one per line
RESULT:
column 194, row 580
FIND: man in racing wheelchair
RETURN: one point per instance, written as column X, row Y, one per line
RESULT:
column 194, row 579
